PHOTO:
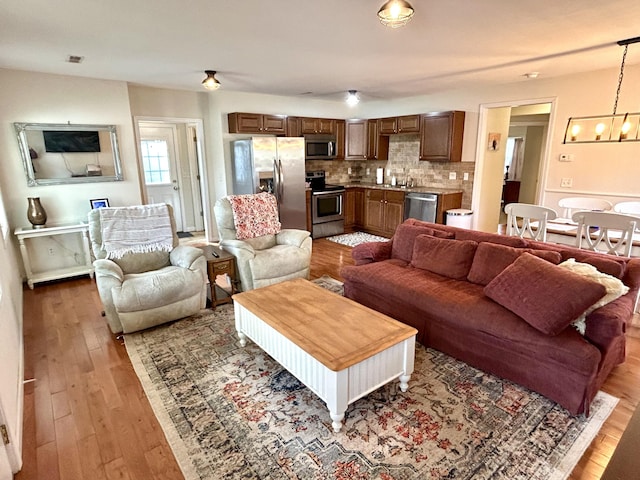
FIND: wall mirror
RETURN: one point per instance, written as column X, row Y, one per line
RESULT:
column 55, row 154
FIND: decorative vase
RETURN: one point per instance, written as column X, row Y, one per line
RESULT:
column 36, row 213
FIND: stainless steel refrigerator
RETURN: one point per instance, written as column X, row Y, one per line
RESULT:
column 275, row 165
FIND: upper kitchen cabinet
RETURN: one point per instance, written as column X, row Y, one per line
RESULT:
column 340, row 139
column 318, row 125
column 356, row 140
column 404, row 124
column 293, row 127
column 441, row 136
column 364, row 142
column 378, row 147
column 257, row 123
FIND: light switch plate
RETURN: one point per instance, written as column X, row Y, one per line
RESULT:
column 452, row 175
column 465, row 176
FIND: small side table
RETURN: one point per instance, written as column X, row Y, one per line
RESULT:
column 223, row 264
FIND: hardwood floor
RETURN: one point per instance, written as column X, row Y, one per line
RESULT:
column 86, row 415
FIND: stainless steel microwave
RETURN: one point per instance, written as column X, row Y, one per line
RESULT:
column 319, row 147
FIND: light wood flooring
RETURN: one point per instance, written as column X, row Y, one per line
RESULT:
column 86, row 415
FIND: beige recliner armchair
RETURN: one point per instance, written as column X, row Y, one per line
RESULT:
column 266, row 259
column 142, row 290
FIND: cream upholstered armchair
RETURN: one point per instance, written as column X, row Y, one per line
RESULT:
column 262, row 259
column 147, row 283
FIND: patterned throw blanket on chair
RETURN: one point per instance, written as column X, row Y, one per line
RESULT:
column 255, row 215
column 138, row 229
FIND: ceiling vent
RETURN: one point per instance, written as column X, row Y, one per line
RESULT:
column 75, row 59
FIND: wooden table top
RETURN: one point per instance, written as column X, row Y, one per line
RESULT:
column 335, row 330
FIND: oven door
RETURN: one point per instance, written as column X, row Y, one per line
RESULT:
column 328, row 206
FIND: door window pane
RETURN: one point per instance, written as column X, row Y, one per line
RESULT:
column 155, row 161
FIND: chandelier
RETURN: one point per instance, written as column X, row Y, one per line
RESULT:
column 395, row 13
column 617, row 127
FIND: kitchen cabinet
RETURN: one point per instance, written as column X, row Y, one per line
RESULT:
column 257, row 123
column 353, row 209
column 403, row 124
column 340, row 139
column 447, row 201
column 378, row 145
column 441, row 136
column 293, row 127
column 356, row 140
column 318, row 125
column 383, row 211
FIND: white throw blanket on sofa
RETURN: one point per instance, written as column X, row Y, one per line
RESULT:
column 138, row 229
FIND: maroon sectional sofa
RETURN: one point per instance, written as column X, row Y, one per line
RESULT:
column 500, row 304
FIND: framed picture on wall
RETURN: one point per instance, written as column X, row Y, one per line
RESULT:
column 494, row 141
column 99, row 202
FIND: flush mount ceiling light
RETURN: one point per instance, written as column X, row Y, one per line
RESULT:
column 623, row 127
column 353, row 98
column 211, row 82
column 395, row 13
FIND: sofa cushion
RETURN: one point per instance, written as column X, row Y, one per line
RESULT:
column 405, row 235
column 490, row 237
column 449, row 258
column 491, row 259
column 547, row 297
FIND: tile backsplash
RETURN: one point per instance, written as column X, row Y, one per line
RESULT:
column 403, row 163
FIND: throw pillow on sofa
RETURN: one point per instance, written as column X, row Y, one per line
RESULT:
column 546, row 296
column 615, row 288
column 404, row 238
column 449, row 258
column 491, row 259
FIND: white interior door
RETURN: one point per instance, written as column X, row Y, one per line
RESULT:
column 158, row 147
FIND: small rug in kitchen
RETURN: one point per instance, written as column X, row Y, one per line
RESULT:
column 356, row 238
column 230, row 412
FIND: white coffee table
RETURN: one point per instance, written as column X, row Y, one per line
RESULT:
column 339, row 349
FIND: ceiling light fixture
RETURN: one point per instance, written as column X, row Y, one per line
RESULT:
column 353, row 98
column 211, row 82
column 623, row 127
column 395, row 13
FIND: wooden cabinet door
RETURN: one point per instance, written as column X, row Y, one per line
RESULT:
column 293, row 127
column 388, row 126
column 408, row 124
column 326, row 125
column 374, row 210
column 308, row 125
column 356, row 140
column 349, row 208
column 441, row 136
column 245, row 122
column 340, row 139
column 394, row 211
column 276, row 124
column 359, row 207
column 378, row 145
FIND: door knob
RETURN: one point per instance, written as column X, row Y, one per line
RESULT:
column 176, row 188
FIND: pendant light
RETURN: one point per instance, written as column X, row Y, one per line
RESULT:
column 395, row 13
column 353, row 98
column 211, row 82
column 617, row 127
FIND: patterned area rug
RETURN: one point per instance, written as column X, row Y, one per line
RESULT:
column 356, row 238
column 230, row 412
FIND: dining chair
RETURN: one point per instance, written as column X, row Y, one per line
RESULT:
column 629, row 208
column 583, row 203
column 521, row 216
column 605, row 232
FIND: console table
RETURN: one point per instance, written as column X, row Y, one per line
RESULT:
column 25, row 233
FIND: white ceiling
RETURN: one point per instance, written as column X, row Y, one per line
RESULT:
column 316, row 48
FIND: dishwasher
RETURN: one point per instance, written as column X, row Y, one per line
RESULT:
column 421, row 206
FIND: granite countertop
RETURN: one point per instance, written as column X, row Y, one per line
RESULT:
column 424, row 189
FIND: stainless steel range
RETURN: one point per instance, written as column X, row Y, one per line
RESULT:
column 327, row 206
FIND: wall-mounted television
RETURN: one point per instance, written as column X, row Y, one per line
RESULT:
column 59, row 141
